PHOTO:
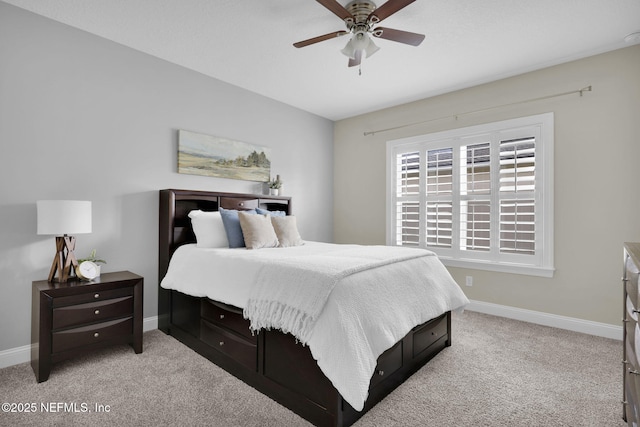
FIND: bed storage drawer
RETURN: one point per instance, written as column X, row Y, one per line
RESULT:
column 227, row 317
column 428, row 334
column 388, row 362
column 86, row 335
column 234, row 346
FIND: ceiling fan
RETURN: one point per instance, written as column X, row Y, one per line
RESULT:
column 360, row 17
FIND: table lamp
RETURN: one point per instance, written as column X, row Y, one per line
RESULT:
column 62, row 218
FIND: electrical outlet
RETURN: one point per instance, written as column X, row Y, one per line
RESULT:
column 469, row 281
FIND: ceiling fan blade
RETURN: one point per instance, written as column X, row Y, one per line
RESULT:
column 406, row 37
column 388, row 9
column 356, row 61
column 320, row 38
column 337, row 9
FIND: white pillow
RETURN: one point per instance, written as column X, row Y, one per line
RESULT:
column 208, row 229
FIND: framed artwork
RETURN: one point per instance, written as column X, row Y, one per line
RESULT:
column 208, row 155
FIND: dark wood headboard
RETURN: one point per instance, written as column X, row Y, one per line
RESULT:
column 175, row 225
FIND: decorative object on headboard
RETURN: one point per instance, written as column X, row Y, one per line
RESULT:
column 207, row 155
column 61, row 218
column 275, row 185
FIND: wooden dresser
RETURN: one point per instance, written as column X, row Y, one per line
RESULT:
column 631, row 334
column 71, row 318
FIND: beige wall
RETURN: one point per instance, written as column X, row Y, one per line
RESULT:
column 597, row 201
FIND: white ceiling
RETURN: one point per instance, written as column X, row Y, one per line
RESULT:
column 248, row 43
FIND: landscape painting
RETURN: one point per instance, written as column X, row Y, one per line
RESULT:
column 207, row 155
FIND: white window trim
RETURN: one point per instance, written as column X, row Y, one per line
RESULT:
column 545, row 167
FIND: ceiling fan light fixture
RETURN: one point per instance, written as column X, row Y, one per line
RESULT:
column 371, row 48
column 360, row 42
column 349, row 50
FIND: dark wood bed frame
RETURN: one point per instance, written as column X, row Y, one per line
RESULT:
column 271, row 361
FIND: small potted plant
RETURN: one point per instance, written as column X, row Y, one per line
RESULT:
column 275, row 185
column 92, row 258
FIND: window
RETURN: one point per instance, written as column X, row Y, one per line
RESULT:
column 480, row 197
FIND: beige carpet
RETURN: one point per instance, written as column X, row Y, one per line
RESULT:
column 499, row 372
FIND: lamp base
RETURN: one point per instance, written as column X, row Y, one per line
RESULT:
column 65, row 261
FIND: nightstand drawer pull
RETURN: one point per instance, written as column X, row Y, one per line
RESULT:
column 96, row 312
column 96, row 296
column 222, row 316
column 381, row 373
column 221, row 343
column 96, row 335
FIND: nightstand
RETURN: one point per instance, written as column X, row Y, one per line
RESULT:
column 69, row 319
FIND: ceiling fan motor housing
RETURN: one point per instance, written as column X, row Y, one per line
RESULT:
column 360, row 11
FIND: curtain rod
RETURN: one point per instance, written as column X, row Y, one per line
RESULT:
column 455, row 116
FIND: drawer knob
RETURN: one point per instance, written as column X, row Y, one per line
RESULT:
column 435, row 334
column 222, row 316
column 241, row 204
column 96, row 296
column 381, row 373
column 96, row 335
column 97, row 312
column 221, row 343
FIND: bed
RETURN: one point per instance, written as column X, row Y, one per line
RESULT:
column 296, row 367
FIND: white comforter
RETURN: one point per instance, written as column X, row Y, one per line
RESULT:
column 365, row 312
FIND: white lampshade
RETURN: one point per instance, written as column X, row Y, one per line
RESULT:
column 60, row 217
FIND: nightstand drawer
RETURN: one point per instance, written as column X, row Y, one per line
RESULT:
column 236, row 347
column 227, row 319
column 92, row 296
column 91, row 312
column 86, row 335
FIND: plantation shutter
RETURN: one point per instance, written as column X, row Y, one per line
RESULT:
column 407, row 192
column 517, row 196
column 475, row 193
column 439, row 193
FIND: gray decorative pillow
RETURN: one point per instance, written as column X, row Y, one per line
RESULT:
column 258, row 231
column 286, row 229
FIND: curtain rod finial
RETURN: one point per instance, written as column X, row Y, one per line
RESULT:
column 585, row 89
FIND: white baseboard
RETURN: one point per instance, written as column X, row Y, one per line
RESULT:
column 15, row 356
column 562, row 322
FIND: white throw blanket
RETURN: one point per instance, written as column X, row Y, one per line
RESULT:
column 291, row 294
